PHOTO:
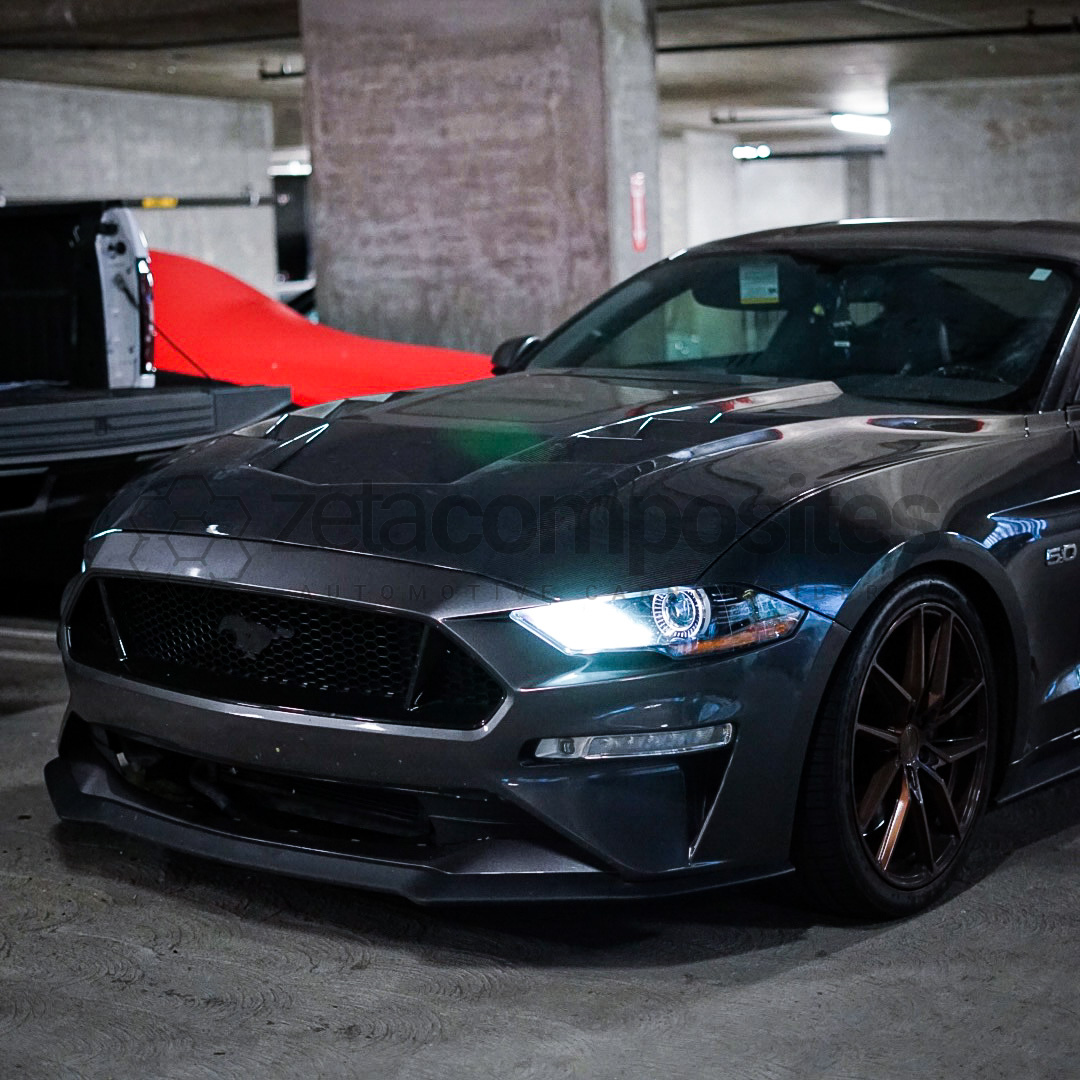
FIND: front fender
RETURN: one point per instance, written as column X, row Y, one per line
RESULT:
column 806, row 554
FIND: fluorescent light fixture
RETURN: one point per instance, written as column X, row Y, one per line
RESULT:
column 645, row 744
column 750, row 152
column 860, row 124
column 290, row 168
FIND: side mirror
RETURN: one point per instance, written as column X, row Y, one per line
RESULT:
column 513, row 354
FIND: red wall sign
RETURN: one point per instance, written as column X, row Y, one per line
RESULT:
column 638, row 233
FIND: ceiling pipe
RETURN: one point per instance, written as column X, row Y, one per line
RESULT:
column 664, row 10
column 792, row 155
column 1030, row 29
column 806, row 119
column 285, row 41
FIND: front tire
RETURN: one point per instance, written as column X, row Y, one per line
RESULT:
column 900, row 763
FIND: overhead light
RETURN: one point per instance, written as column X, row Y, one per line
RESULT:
column 290, row 168
column 290, row 161
column 748, row 152
column 284, row 70
column 859, row 124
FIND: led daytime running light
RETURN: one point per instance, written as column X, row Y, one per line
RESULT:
column 643, row 744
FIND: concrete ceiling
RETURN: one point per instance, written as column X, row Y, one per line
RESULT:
column 755, row 59
column 108, row 24
column 717, row 59
column 212, row 47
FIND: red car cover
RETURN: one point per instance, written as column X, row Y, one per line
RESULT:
column 211, row 323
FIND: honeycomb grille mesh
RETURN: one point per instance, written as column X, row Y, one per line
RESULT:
column 281, row 651
column 268, row 639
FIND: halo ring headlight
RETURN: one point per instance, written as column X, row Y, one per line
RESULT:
column 681, row 614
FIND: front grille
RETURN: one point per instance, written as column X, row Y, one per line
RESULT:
column 281, row 651
column 291, row 645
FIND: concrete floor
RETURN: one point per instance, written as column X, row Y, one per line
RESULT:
column 121, row 960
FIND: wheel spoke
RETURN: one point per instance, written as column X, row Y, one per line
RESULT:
column 875, row 793
column 924, row 836
column 915, row 664
column 951, row 751
column 896, row 823
column 958, row 703
column 939, row 665
column 908, row 699
column 886, row 735
column 937, row 793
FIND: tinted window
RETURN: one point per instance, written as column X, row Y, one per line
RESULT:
column 929, row 328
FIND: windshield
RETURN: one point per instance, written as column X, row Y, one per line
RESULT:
column 934, row 328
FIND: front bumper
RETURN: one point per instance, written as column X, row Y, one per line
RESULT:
column 588, row 829
column 87, row 791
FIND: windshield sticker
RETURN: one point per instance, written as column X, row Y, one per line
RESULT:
column 1041, row 274
column 759, row 283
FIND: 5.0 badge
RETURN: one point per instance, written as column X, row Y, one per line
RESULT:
column 1063, row 554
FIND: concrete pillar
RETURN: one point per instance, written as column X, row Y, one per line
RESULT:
column 473, row 161
column 859, row 193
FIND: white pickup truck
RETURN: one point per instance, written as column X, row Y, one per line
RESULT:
column 81, row 406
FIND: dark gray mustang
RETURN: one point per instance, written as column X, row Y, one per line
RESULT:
column 766, row 560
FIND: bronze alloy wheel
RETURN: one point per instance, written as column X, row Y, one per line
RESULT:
column 899, row 766
column 919, row 745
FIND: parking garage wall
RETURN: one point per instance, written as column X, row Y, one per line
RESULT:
column 62, row 142
column 988, row 148
column 706, row 194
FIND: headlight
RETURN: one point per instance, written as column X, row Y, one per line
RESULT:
column 680, row 621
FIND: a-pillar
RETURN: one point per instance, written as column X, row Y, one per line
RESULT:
column 481, row 167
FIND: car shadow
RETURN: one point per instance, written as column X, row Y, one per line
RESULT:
column 1018, row 824
column 769, row 919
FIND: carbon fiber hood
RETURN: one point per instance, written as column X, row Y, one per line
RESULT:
column 556, row 484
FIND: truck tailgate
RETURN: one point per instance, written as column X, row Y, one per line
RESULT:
column 55, row 426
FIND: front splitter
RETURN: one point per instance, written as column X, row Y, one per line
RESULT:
column 494, row 871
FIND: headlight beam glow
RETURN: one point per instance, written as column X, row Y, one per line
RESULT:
column 681, row 621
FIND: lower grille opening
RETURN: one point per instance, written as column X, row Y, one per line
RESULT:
column 311, row 812
column 280, row 651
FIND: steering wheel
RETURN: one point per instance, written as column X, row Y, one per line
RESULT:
column 968, row 371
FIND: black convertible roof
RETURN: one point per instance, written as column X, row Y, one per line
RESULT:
column 1052, row 239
